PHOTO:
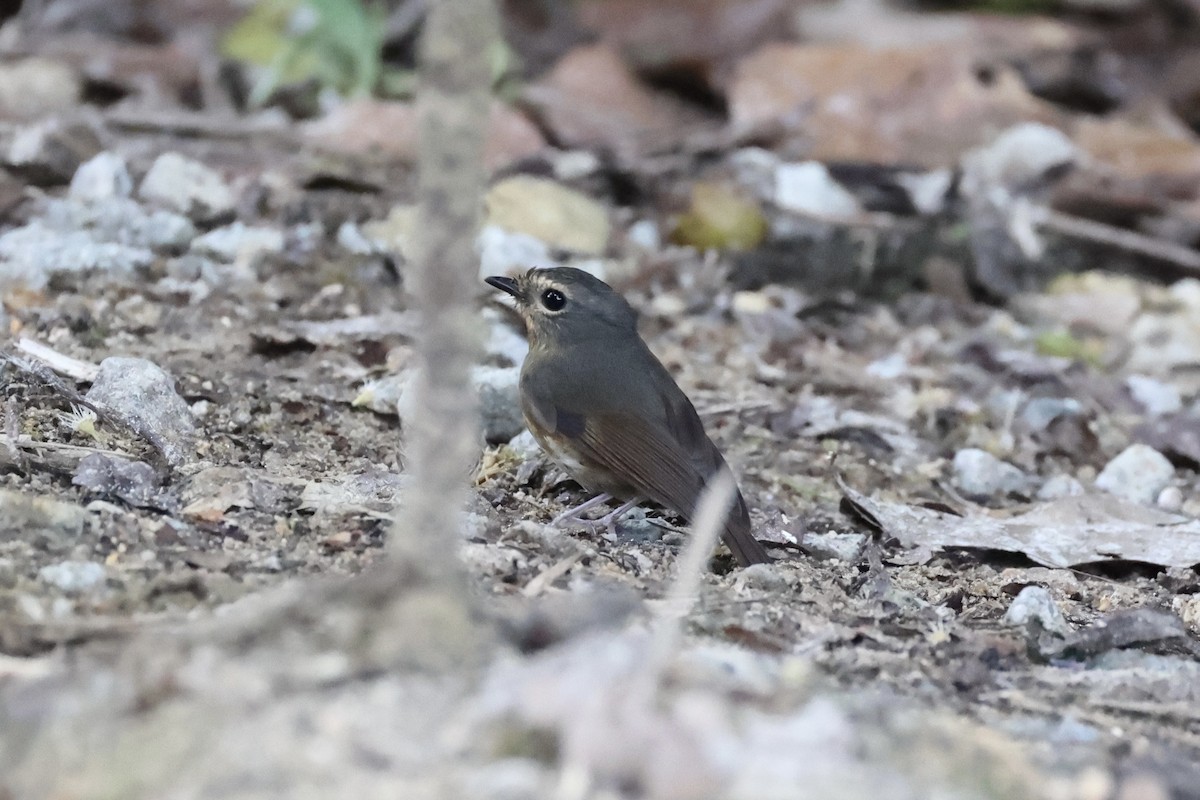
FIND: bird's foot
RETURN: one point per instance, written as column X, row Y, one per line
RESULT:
column 576, row 512
column 607, row 522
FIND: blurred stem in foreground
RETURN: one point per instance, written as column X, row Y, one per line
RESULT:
column 442, row 439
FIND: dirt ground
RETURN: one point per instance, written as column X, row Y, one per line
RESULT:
column 147, row 649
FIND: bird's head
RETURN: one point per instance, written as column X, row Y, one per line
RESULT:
column 563, row 304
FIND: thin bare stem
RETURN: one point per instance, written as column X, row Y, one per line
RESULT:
column 441, row 439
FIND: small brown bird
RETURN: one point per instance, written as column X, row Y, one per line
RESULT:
column 601, row 405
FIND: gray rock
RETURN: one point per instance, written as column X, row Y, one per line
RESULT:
column 1034, row 606
column 574, row 165
column 31, row 254
column 504, row 344
column 530, row 454
column 121, row 220
column 525, row 446
column 48, row 153
column 808, row 188
column 499, row 402
column 644, row 235
column 1060, row 486
column 383, row 395
column 766, row 577
column 1138, row 474
column 1018, row 157
column 141, row 395
column 1156, row 397
column 1039, row 412
column 928, row 191
column 47, row 523
column 1170, row 499
column 239, row 242
column 350, row 237
column 184, row 185
column 375, row 489
column 835, row 546
column 979, row 473
column 102, row 177
column 135, row 482
column 502, row 252
column 888, row 368
column 190, row 267
column 74, row 577
column 755, row 168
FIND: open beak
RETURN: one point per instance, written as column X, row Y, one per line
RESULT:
column 504, row 284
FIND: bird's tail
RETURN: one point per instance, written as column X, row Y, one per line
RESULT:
column 739, row 538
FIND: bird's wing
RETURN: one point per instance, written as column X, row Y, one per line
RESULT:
column 665, row 456
column 659, row 468
column 654, row 450
column 644, row 454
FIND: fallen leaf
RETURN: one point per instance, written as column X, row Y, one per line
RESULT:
column 918, row 105
column 1128, row 627
column 1063, row 533
column 547, row 211
column 592, row 100
column 720, row 218
column 685, row 34
column 1137, row 149
column 389, row 129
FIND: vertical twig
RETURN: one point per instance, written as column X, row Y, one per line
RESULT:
column 441, row 439
column 709, row 520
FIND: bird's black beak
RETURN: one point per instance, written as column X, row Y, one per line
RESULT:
column 505, row 285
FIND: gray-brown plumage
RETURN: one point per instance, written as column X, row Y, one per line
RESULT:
column 600, row 403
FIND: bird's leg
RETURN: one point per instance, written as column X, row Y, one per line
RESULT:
column 577, row 511
column 609, row 520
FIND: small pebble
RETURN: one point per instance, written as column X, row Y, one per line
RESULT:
column 808, row 188
column 835, row 546
column 74, row 577
column 980, row 474
column 1156, row 397
column 142, row 395
column 185, row 185
column 1034, row 604
column 1170, row 499
column 1060, row 486
column 102, row 177
column 1138, row 474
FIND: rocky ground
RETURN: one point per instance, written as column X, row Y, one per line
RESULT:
column 974, row 455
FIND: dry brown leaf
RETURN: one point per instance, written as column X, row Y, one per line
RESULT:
column 914, row 105
column 1138, row 150
column 592, row 100
column 389, row 129
column 1062, row 533
column 693, row 34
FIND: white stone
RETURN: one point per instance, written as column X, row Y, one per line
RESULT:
column 808, row 188
column 979, row 473
column 1034, row 605
column 187, row 186
column 74, row 577
column 102, row 177
column 1156, row 397
column 503, row 252
column 1138, row 474
column 1060, row 486
column 238, row 243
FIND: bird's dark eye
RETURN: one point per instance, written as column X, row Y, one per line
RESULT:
column 553, row 300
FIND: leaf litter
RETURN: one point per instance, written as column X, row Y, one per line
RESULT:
column 851, row 329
